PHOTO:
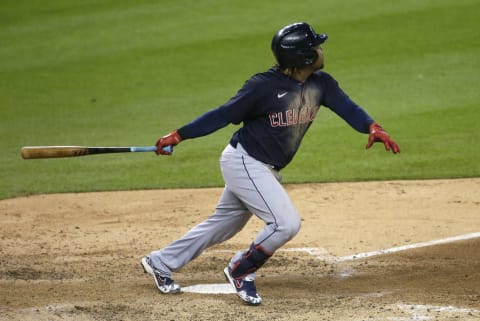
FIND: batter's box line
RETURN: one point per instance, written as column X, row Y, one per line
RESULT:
column 323, row 255
column 409, row 247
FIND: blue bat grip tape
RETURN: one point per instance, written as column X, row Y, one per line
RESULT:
column 168, row 149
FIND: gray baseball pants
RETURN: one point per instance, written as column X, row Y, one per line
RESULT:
column 251, row 187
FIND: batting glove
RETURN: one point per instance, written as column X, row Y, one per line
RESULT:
column 377, row 134
column 171, row 139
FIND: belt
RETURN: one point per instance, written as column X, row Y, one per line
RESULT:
column 234, row 141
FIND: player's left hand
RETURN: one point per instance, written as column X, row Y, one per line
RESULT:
column 378, row 134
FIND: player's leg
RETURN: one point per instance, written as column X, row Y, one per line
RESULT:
column 258, row 187
column 282, row 223
column 228, row 219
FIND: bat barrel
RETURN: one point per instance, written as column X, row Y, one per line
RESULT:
column 53, row 151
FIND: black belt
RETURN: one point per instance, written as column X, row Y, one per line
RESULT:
column 234, row 141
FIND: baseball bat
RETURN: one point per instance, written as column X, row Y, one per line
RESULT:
column 32, row 152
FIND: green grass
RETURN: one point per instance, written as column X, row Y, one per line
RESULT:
column 104, row 73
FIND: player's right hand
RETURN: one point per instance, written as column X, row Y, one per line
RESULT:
column 171, row 139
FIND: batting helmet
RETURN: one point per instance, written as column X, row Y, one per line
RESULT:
column 294, row 45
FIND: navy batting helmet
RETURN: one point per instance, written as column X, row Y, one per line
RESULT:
column 294, row 45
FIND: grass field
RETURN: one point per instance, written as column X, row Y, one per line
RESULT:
column 103, row 73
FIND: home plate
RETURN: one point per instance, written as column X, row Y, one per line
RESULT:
column 223, row 288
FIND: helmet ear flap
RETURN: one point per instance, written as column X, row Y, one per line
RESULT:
column 309, row 57
column 298, row 58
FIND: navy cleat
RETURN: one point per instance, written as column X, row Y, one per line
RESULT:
column 164, row 283
column 245, row 287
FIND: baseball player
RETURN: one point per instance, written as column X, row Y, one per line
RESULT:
column 276, row 108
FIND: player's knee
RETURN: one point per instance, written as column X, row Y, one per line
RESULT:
column 289, row 229
column 294, row 227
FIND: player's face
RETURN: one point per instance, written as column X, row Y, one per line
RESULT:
column 318, row 64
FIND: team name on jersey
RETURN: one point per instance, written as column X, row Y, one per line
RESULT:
column 292, row 117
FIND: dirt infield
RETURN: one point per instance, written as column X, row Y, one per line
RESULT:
column 76, row 256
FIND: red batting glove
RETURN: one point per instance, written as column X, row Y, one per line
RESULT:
column 377, row 134
column 171, row 139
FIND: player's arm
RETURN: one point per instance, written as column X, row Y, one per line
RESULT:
column 233, row 111
column 356, row 116
column 358, row 119
column 207, row 123
column 353, row 114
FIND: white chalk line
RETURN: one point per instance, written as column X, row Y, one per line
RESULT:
column 409, row 247
column 322, row 254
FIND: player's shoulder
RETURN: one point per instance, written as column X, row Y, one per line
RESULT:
column 265, row 79
column 322, row 75
column 268, row 75
column 323, row 79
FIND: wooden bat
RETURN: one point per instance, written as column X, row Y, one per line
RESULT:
column 32, row 152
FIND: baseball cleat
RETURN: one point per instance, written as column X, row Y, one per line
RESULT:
column 245, row 287
column 164, row 284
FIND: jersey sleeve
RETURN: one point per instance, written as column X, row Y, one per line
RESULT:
column 339, row 102
column 207, row 123
column 233, row 111
column 240, row 106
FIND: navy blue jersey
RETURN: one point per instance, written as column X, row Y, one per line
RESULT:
column 276, row 111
